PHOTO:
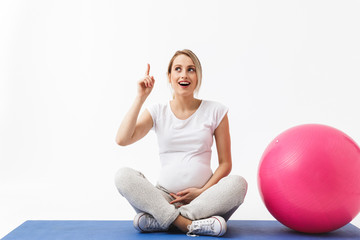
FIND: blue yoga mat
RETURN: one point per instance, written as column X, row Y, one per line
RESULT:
column 116, row 230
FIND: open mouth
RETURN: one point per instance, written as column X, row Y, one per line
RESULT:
column 184, row 83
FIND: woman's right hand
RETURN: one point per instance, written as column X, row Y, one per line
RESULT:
column 146, row 84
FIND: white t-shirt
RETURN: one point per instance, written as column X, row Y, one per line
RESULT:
column 185, row 145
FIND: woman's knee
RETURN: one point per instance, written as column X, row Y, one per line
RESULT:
column 124, row 178
column 239, row 187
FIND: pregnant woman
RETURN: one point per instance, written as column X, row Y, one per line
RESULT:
column 188, row 194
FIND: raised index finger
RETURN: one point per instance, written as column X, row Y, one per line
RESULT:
column 147, row 70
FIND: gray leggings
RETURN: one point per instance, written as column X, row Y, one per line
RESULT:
column 222, row 199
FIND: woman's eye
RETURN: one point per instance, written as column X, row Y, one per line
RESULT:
column 191, row 69
column 177, row 69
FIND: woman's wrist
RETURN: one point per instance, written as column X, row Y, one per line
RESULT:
column 140, row 98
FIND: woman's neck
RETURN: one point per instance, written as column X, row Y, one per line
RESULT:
column 184, row 104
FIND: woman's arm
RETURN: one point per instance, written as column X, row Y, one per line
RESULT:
column 223, row 145
column 133, row 129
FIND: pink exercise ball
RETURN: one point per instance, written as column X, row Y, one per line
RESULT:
column 309, row 178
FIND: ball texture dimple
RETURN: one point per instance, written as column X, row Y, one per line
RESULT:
column 309, row 178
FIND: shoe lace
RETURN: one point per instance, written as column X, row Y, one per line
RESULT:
column 201, row 227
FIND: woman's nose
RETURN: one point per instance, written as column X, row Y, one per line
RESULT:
column 183, row 74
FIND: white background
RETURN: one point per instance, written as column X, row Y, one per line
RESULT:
column 68, row 73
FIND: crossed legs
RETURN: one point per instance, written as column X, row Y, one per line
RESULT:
column 221, row 199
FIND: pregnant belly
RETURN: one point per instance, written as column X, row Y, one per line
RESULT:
column 177, row 177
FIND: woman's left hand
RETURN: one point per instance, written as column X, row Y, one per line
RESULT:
column 186, row 196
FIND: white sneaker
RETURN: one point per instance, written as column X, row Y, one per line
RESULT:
column 213, row 226
column 144, row 222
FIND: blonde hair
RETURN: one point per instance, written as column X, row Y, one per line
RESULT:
column 195, row 60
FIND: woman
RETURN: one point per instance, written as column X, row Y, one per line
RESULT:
column 188, row 195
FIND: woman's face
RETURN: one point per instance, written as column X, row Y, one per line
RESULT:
column 183, row 78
